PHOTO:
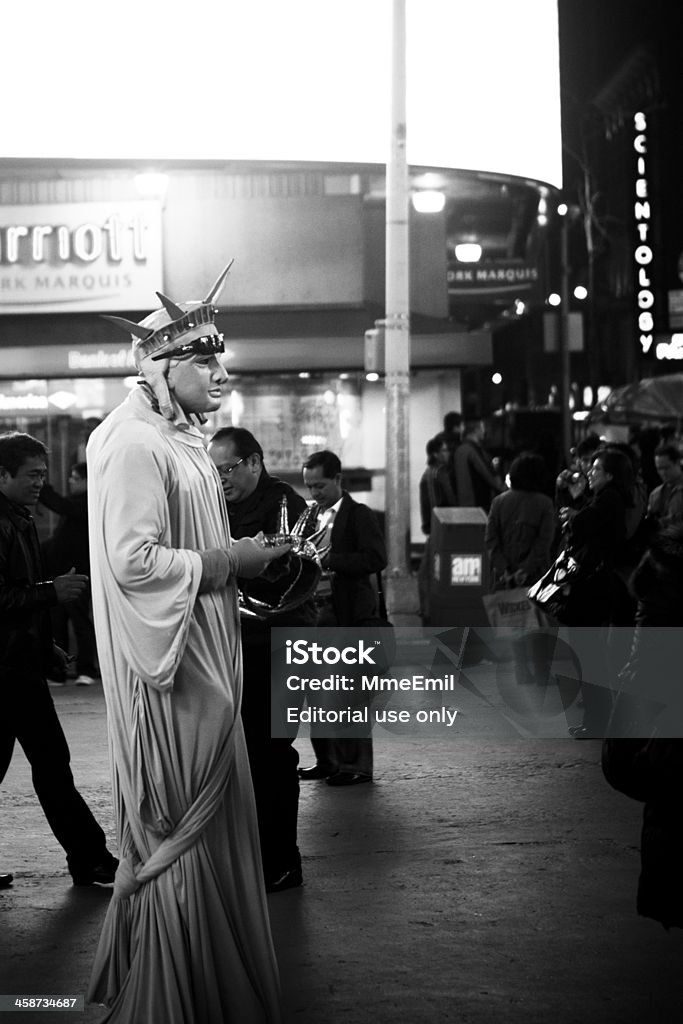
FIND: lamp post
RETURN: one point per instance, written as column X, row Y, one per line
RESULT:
column 564, row 334
column 401, row 588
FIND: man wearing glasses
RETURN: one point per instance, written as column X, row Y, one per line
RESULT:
column 189, row 891
column 254, row 499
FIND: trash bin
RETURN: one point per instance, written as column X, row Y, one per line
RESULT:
column 459, row 570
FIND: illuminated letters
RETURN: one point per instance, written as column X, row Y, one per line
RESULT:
column 643, row 254
column 85, row 243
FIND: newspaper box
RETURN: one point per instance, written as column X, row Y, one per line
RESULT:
column 459, row 571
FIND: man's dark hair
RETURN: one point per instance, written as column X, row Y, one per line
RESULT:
column 434, row 446
column 243, row 440
column 452, row 422
column 328, row 461
column 527, row 472
column 669, row 451
column 16, row 448
column 588, row 445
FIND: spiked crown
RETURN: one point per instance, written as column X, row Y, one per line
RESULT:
column 163, row 339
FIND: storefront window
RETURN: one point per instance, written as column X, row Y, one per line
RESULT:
column 291, row 416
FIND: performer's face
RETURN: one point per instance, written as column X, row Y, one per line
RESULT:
column 197, row 383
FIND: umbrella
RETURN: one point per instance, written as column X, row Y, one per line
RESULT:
column 655, row 399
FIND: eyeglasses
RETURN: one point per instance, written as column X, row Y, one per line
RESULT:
column 207, row 346
column 224, row 470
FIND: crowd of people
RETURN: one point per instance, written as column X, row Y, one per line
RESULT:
column 605, row 511
column 617, row 515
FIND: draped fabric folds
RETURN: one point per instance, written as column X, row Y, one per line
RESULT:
column 186, row 939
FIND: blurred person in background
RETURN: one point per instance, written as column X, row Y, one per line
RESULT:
column 596, row 536
column 436, row 491
column 68, row 546
column 643, row 754
column 571, row 486
column 452, row 431
column 476, row 482
column 665, row 504
column 519, row 537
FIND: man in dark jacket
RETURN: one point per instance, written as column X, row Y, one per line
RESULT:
column 356, row 555
column 27, row 653
column 476, row 483
column 254, row 500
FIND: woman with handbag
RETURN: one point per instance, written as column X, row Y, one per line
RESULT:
column 596, row 537
column 519, row 536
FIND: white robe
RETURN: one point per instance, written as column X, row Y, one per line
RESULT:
column 186, row 939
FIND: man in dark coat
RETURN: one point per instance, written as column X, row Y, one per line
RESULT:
column 476, row 484
column 356, row 555
column 27, row 653
column 253, row 499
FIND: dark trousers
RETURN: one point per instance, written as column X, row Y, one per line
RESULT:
column 347, row 754
column 590, row 647
column 273, row 762
column 77, row 612
column 29, row 717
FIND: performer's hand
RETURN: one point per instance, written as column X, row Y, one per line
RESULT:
column 253, row 557
column 70, row 586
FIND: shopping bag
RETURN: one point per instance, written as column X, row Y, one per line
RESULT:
column 511, row 612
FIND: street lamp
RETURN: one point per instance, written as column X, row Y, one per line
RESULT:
column 567, row 213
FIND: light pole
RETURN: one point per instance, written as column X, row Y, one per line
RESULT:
column 401, row 588
column 564, row 334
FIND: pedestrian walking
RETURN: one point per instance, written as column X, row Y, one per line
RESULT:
column 28, row 654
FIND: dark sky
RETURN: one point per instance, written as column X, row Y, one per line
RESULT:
column 596, row 35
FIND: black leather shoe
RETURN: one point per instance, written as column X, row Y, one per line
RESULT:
column 287, row 880
column 99, row 874
column 6, row 881
column 316, row 771
column 580, row 732
column 348, row 779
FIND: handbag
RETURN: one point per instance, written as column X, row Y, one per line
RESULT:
column 511, row 612
column 553, row 592
column 568, row 584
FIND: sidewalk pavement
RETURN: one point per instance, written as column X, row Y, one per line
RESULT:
column 478, row 880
